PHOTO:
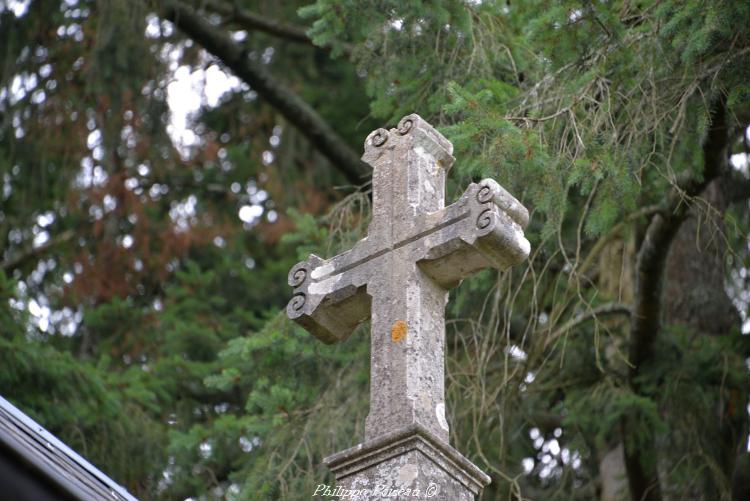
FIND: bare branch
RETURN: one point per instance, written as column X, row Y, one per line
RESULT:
column 289, row 104
column 616, row 229
column 604, row 310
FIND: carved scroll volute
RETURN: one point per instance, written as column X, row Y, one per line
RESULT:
column 299, row 279
column 491, row 191
column 376, row 144
column 298, row 275
column 500, row 221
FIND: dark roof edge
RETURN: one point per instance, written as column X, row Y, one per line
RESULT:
column 47, row 439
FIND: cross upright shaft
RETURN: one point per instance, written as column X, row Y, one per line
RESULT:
column 407, row 327
column 399, row 275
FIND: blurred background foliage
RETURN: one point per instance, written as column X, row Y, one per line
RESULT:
column 152, row 203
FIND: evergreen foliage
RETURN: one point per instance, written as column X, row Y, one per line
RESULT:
column 143, row 321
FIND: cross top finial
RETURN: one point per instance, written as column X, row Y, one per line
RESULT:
column 418, row 132
column 409, row 164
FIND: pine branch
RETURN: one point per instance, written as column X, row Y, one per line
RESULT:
column 255, row 22
column 652, row 255
column 289, row 104
column 18, row 260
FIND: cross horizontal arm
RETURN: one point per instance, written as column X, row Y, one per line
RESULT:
column 488, row 233
column 484, row 228
column 319, row 286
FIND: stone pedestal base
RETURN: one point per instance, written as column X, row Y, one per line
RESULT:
column 410, row 463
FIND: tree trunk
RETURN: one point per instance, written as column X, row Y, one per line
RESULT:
column 695, row 297
column 694, row 293
column 612, row 475
column 616, row 279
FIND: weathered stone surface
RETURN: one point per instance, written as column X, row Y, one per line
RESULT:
column 416, row 249
column 406, row 464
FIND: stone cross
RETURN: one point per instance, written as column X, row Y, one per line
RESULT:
column 416, row 249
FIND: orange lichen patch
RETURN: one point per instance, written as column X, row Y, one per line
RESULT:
column 398, row 331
